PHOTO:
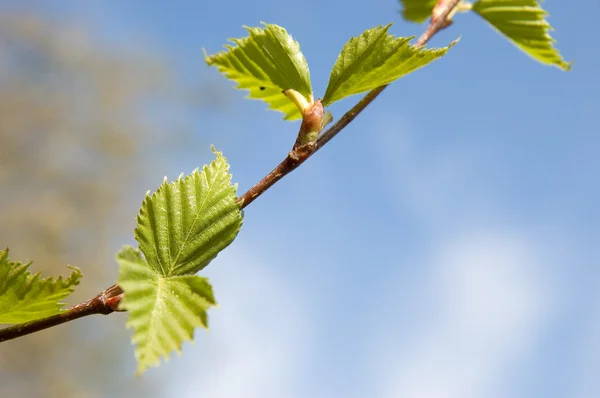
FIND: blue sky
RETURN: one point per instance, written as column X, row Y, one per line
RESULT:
column 444, row 245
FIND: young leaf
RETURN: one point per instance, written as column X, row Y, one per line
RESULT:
column 417, row 10
column 186, row 223
column 25, row 297
column 163, row 311
column 373, row 59
column 267, row 63
column 523, row 22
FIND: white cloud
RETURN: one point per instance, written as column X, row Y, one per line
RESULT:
column 478, row 303
column 587, row 381
column 490, row 301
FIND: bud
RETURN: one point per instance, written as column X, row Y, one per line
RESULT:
column 312, row 123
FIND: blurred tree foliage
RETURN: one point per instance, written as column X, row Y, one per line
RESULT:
column 74, row 135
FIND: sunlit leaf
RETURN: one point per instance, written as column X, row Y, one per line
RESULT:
column 523, row 22
column 186, row 223
column 25, row 297
column 417, row 10
column 163, row 311
column 373, row 59
column 266, row 62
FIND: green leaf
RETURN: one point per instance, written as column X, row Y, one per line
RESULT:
column 373, row 59
column 163, row 311
column 266, row 63
column 523, row 22
column 186, row 223
column 417, row 10
column 26, row 297
column 181, row 228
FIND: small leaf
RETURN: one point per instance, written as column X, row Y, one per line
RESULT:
column 373, row 59
column 267, row 63
column 26, row 297
column 523, row 22
column 163, row 311
column 417, row 10
column 327, row 118
column 186, row 223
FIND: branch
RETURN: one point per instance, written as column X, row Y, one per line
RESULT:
column 108, row 301
column 440, row 21
column 104, row 303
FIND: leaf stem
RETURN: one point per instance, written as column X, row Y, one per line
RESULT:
column 108, row 301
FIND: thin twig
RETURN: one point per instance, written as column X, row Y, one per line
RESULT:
column 108, row 301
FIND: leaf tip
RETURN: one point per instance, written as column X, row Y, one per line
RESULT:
column 454, row 42
column 76, row 274
column 566, row 66
column 140, row 369
column 218, row 154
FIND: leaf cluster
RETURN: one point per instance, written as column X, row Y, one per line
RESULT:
column 269, row 63
column 180, row 228
column 522, row 22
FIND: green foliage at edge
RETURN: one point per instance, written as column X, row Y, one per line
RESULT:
column 266, row 62
column 26, row 297
column 181, row 228
column 417, row 10
column 373, row 59
column 523, row 22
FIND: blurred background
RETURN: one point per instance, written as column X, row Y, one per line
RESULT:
column 452, row 249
